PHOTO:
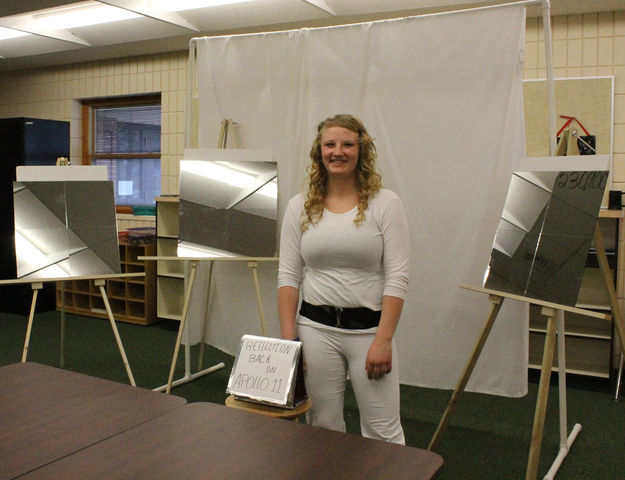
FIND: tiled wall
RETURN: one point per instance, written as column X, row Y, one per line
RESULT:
column 586, row 45
column 55, row 93
column 583, row 45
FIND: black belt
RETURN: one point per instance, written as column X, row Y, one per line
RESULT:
column 350, row 318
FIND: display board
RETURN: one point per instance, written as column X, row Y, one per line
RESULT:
column 265, row 371
column 65, row 222
column 590, row 100
column 546, row 228
column 228, row 203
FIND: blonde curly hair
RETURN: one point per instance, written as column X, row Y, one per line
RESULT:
column 368, row 180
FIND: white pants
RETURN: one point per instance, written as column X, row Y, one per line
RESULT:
column 329, row 355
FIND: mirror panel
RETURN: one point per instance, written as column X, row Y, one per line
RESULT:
column 65, row 229
column 228, row 208
column 544, row 234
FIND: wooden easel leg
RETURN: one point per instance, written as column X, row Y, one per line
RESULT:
column 222, row 135
column 496, row 303
column 183, row 322
column 36, row 287
column 259, row 302
column 543, row 395
column 100, row 283
column 617, row 315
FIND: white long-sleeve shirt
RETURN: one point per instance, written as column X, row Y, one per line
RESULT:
column 339, row 263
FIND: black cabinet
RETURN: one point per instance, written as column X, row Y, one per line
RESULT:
column 24, row 141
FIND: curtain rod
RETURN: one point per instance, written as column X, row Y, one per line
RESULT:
column 546, row 15
column 544, row 3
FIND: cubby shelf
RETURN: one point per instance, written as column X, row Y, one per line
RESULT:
column 170, row 274
column 132, row 299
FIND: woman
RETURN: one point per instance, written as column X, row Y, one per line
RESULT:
column 345, row 243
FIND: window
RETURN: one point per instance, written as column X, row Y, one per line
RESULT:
column 125, row 136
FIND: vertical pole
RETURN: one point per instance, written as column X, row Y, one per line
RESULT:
column 551, row 104
column 619, row 374
column 189, row 96
column 562, row 378
column 566, row 440
column 182, row 326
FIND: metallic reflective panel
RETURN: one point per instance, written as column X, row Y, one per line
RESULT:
column 65, row 229
column 228, row 208
column 544, row 234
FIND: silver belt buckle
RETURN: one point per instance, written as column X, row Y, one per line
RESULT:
column 339, row 312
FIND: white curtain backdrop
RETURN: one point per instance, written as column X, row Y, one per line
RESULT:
column 442, row 96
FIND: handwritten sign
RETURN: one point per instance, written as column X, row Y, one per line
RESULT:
column 582, row 180
column 265, row 370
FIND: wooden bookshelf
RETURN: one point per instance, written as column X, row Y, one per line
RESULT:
column 132, row 299
column 170, row 274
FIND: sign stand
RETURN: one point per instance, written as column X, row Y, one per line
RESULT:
column 555, row 321
column 194, row 262
column 100, row 281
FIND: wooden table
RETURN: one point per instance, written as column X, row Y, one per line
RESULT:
column 59, row 424
column 47, row 413
column 210, row 441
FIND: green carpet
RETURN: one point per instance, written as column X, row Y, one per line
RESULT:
column 488, row 436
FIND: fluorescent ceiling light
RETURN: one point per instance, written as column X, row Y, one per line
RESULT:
column 224, row 173
column 6, row 33
column 84, row 14
column 24, row 248
column 27, row 249
column 180, row 5
column 220, row 172
column 269, row 189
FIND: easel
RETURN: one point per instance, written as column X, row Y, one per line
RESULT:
column 555, row 320
column 252, row 263
column 100, row 282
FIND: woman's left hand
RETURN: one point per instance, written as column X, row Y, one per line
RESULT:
column 379, row 358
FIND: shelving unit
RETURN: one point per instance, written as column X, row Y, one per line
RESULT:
column 169, row 275
column 132, row 299
column 591, row 347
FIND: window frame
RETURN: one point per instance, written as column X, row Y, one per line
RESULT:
column 89, row 107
